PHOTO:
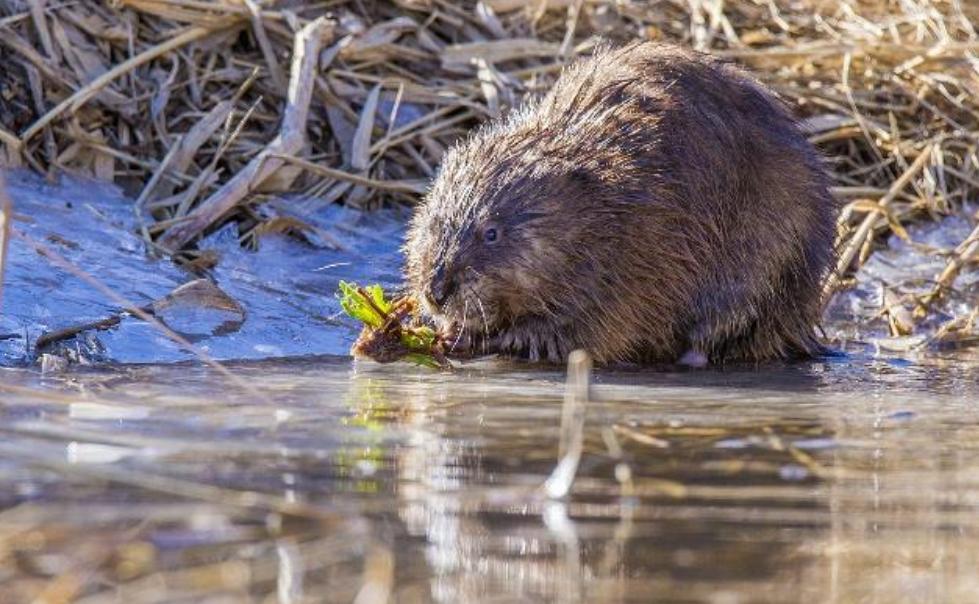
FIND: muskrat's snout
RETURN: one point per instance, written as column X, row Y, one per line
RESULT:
column 456, row 294
column 441, row 287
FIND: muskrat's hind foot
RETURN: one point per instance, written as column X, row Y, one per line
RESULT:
column 693, row 358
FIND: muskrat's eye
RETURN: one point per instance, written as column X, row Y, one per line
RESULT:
column 491, row 235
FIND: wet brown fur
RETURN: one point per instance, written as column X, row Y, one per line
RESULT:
column 655, row 201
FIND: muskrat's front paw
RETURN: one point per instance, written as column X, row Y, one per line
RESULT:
column 536, row 341
column 460, row 343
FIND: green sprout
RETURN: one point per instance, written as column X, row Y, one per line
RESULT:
column 387, row 336
column 366, row 304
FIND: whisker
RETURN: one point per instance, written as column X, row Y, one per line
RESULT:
column 482, row 313
column 482, row 309
column 465, row 314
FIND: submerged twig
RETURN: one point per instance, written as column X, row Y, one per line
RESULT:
column 571, row 445
column 179, row 487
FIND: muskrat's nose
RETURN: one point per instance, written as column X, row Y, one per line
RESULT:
column 441, row 287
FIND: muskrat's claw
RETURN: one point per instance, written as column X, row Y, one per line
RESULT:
column 457, row 342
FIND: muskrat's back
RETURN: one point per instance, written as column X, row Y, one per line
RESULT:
column 656, row 204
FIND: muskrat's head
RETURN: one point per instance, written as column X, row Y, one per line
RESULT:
column 497, row 237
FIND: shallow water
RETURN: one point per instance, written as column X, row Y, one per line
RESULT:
column 848, row 480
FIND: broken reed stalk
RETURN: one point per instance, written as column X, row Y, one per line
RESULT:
column 182, row 153
column 258, row 26
column 417, row 186
column 859, row 237
column 966, row 252
column 291, row 138
column 83, row 95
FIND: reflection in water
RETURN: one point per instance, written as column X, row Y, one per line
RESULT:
column 842, row 481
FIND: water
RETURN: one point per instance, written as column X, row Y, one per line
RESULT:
column 287, row 290
column 318, row 479
column 847, row 480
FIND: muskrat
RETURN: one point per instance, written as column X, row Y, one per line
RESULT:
column 656, row 205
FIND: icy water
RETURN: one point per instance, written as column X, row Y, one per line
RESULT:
column 318, row 479
column 322, row 480
column 286, row 291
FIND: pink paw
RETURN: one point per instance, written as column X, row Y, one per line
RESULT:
column 693, row 358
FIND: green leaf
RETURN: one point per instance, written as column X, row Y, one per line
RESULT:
column 418, row 338
column 353, row 302
column 377, row 295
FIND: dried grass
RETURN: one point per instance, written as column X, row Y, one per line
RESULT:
column 190, row 105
